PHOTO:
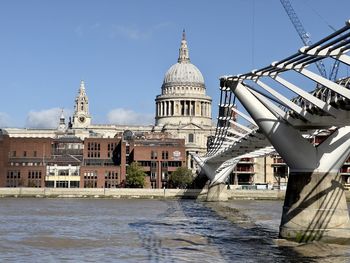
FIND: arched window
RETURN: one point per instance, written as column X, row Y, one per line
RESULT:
column 191, row 137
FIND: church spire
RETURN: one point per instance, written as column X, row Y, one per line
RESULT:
column 82, row 87
column 81, row 117
column 62, row 123
column 183, row 51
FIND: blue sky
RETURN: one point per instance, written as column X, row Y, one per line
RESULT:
column 122, row 50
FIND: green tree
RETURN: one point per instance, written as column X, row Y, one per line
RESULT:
column 180, row 178
column 135, row 176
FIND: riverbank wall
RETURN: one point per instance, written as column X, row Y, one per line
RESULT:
column 103, row 193
column 131, row 193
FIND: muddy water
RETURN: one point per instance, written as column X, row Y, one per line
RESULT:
column 266, row 216
column 103, row 230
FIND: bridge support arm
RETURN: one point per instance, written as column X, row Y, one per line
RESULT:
column 315, row 207
column 289, row 143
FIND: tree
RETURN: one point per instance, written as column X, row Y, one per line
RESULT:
column 181, row 178
column 135, row 176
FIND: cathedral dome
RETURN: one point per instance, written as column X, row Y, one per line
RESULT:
column 183, row 101
column 183, row 71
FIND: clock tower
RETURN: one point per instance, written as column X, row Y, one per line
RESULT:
column 81, row 117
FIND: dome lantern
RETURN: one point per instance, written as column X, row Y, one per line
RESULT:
column 183, row 72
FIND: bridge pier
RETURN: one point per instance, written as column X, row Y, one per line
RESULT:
column 315, row 208
column 217, row 193
column 217, row 174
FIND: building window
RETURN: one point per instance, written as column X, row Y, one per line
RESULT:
column 165, row 155
column 153, row 155
column 74, row 184
column 34, row 153
column 191, row 137
column 34, row 178
column 111, row 147
column 62, row 184
column 90, row 179
column 153, row 176
column 13, row 179
column 175, row 164
column 13, row 154
column 24, row 154
column 94, row 150
column 111, row 179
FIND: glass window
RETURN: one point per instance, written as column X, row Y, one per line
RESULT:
column 191, row 137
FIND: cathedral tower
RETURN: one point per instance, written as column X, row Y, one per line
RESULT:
column 81, row 117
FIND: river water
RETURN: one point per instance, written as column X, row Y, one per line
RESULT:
column 114, row 230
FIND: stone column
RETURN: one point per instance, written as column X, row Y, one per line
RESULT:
column 157, row 114
column 209, row 109
column 167, row 108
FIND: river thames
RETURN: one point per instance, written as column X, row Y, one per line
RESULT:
column 115, row 230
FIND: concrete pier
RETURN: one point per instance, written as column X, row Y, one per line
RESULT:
column 217, row 193
column 315, row 208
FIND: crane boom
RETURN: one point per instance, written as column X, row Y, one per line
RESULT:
column 302, row 33
column 334, row 71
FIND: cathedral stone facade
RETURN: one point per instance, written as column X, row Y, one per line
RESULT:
column 183, row 108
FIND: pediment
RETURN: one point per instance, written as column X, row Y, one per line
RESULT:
column 190, row 126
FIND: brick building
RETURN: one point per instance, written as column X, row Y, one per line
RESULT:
column 159, row 157
column 67, row 161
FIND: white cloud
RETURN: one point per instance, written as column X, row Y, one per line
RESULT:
column 48, row 118
column 4, row 120
column 128, row 117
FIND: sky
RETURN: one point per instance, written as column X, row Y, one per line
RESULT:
column 122, row 49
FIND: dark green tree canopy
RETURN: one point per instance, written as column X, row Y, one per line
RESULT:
column 181, row 178
column 135, row 176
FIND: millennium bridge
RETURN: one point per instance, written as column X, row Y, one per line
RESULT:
column 315, row 207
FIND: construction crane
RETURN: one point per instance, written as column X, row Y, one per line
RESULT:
column 307, row 41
